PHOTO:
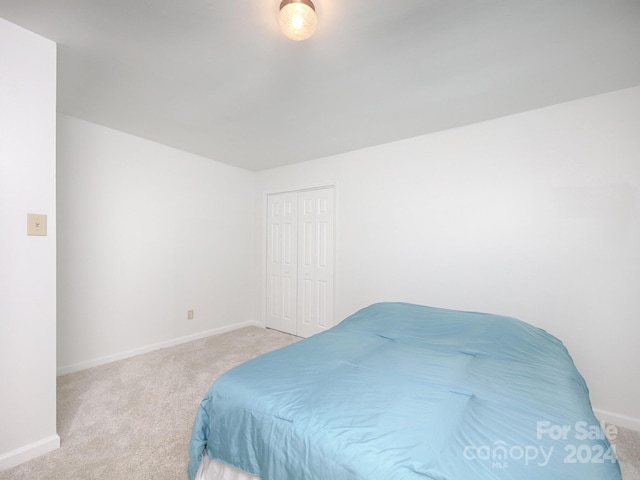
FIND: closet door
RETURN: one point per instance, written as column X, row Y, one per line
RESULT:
column 300, row 270
column 315, row 261
column 282, row 262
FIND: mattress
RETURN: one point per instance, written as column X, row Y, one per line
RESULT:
column 211, row 469
column 404, row 392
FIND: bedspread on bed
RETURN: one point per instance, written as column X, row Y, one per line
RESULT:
column 401, row 391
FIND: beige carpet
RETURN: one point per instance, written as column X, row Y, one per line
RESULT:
column 132, row 419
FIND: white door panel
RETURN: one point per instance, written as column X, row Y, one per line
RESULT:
column 300, row 261
column 282, row 267
column 315, row 298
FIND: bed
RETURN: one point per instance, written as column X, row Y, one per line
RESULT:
column 399, row 391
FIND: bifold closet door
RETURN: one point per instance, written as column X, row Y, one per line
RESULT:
column 300, row 261
column 282, row 262
column 315, row 261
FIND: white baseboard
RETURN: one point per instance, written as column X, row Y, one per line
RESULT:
column 617, row 419
column 29, row 452
column 76, row 367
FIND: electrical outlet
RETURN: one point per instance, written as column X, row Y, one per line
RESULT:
column 189, row 314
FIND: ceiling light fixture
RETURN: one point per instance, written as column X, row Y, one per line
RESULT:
column 297, row 19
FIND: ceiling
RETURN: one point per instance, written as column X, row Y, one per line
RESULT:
column 218, row 79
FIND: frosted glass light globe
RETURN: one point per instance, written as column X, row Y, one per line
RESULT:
column 297, row 19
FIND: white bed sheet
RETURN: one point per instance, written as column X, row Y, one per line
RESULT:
column 211, row 469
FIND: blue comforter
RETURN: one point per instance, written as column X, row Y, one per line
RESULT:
column 401, row 391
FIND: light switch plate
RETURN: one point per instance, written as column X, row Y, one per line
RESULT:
column 36, row 224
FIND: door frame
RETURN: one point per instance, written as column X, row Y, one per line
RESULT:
column 262, row 246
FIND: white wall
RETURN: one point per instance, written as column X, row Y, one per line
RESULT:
column 27, row 264
column 146, row 232
column 535, row 216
